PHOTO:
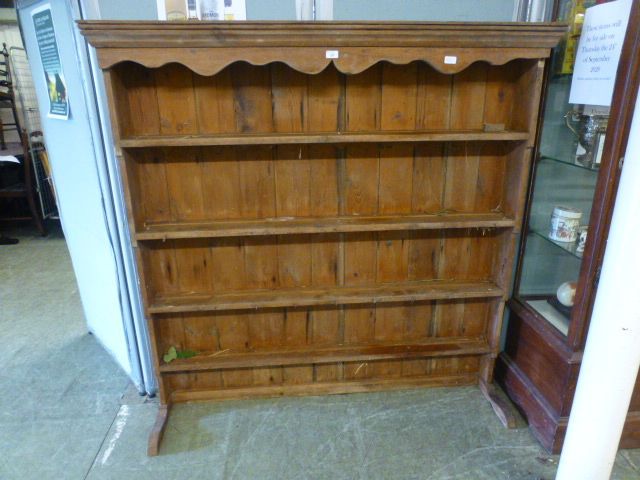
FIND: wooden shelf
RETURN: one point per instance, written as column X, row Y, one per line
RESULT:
column 329, row 295
column 322, row 388
column 309, row 354
column 305, row 225
column 320, row 138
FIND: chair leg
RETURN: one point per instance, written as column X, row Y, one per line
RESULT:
column 35, row 214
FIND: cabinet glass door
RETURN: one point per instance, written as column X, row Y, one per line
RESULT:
column 566, row 173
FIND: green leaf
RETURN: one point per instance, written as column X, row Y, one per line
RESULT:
column 187, row 354
column 171, row 355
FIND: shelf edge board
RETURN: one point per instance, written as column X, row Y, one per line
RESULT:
column 325, row 388
column 332, row 295
column 318, row 138
column 311, row 354
column 284, row 226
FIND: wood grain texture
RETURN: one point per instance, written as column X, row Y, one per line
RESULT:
column 155, row 437
column 145, row 34
column 265, row 354
column 355, row 292
column 326, row 388
column 331, row 137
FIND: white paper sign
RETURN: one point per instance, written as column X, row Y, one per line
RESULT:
column 202, row 9
column 598, row 53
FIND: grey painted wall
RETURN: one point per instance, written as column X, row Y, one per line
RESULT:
column 148, row 10
column 128, row 10
column 449, row 10
column 271, row 10
column 437, row 10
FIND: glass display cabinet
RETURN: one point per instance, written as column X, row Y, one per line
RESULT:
column 572, row 192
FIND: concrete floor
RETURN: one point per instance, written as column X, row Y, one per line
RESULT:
column 68, row 412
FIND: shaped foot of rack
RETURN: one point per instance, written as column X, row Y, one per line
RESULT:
column 503, row 410
column 155, row 437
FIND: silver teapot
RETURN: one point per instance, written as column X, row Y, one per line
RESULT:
column 589, row 135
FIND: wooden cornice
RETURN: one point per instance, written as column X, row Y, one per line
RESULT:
column 208, row 47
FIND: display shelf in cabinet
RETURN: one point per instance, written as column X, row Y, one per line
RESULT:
column 555, row 317
column 321, row 138
column 570, row 247
column 323, row 354
column 304, row 225
column 329, row 295
column 570, row 163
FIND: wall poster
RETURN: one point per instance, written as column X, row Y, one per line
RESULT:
column 51, row 64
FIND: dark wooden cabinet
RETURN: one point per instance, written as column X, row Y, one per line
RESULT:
column 323, row 207
column 541, row 360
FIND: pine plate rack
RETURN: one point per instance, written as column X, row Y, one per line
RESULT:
column 323, row 208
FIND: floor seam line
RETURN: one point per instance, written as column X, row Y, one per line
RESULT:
column 95, row 458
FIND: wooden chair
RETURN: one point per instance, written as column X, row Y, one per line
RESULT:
column 7, row 97
column 22, row 188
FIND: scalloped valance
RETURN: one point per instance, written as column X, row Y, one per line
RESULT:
column 309, row 47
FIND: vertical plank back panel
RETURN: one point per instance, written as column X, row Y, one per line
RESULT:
column 296, row 332
column 257, row 182
column 138, row 101
column 221, row 183
column 252, row 97
column 399, row 96
column 162, row 272
column 463, row 163
column 215, row 106
column 396, row 179
column 266, row 329
column 290, row 92
column 228, row 263
column 325, row 116
column 194, row 263
column 233, row 333
column 134, row 203
column 434, row 112
column 324, row 100
column 184, row 183
column 261, row 262
column 293, row 180
column 294, row 260
column 501, row 84
column 176, row 100
column 363, row 101
column 433, row 99
column 323, row 182
column 362, row 167
column 359, row 327
column 417, row 327
column 468, row 98
column 527, row 97
column 490, row 184
column 201, row 335
column 460, row 195
column 429, row 173
column 527, row 94
column 362, row 180
column 155, row 205
column 171, row 330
